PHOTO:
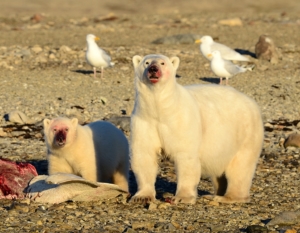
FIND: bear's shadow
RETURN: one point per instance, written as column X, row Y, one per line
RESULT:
column 162, row 185
column 41, row 166
column 86, row 72
column 214, row 80
column 245, row 52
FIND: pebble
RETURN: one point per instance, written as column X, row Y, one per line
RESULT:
column 148, row 225
column 36, row 49
column 5, row 65
column 2, row 133
column 130, row 230
column 35, row 26
column 265, row 49
column 65, row 49
column 213, row 203
column 292, row 140
column 286, row 218
column 231, row 22
column 257, row 229
column 176, row 224
column 290, row 231
column 25, row 53
column 124, row 68
column 152, row 206
column 18, row 117
column 177, row 39
column 52, row 56
column 164, row 205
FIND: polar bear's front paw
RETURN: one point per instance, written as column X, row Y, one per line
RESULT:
column 143, row 199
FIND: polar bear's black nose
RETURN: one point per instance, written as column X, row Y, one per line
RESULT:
column 153, row 69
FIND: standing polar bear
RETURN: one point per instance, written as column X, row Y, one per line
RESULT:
column 97, row 151
column 207, row 130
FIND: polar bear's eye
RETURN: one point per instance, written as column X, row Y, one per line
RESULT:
column 147, row 63
column 54, row 130
column 162, row 63
column 67, row 129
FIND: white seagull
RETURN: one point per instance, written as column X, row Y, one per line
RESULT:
column 207, row 46
column 224, row 68
column 96, row 56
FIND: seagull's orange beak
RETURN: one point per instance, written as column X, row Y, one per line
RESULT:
column 198, row 41
column 97, row 38
column 209, row 55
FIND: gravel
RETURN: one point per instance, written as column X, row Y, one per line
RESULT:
column 44, row 75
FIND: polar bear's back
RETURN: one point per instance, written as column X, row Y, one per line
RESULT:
column 108, row 136
column 110, row 144
column 223, row 100
column 229, row 120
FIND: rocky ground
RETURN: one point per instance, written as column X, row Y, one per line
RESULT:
column 44, row 75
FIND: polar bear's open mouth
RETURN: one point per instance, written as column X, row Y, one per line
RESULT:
column 61, row 137
column 153, row 79
column 154, row 73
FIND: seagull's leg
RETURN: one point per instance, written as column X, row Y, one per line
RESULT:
column 220, row 81
column 102, row 70
column 95, row 72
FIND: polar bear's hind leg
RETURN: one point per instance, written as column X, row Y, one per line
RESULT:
column 120, row 178
column 220, row 186
column 239, row 174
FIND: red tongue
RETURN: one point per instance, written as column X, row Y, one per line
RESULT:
column 154, row 80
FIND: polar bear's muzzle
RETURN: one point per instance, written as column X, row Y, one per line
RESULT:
column 154, row 73
column 60, row 137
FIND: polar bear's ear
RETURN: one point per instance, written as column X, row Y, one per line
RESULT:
column 74, row 122
column 46, row 123
column 136, row 60
column 175, row 61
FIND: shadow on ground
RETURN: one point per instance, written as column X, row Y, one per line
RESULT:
column 162, row 186
column 85, row 72
column 245, row 52
column 214, row 80
column 41, row 166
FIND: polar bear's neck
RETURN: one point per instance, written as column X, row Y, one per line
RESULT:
column 155, row 100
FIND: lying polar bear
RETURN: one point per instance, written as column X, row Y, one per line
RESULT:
column 97, row 151
column 207, row 130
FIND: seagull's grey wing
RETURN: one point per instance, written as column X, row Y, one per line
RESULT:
column 105, row 56
column 232, row 68
column 223, row 49
column 228, row 53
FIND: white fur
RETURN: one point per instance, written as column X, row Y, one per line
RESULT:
column 97, row 151
column 205, row 129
